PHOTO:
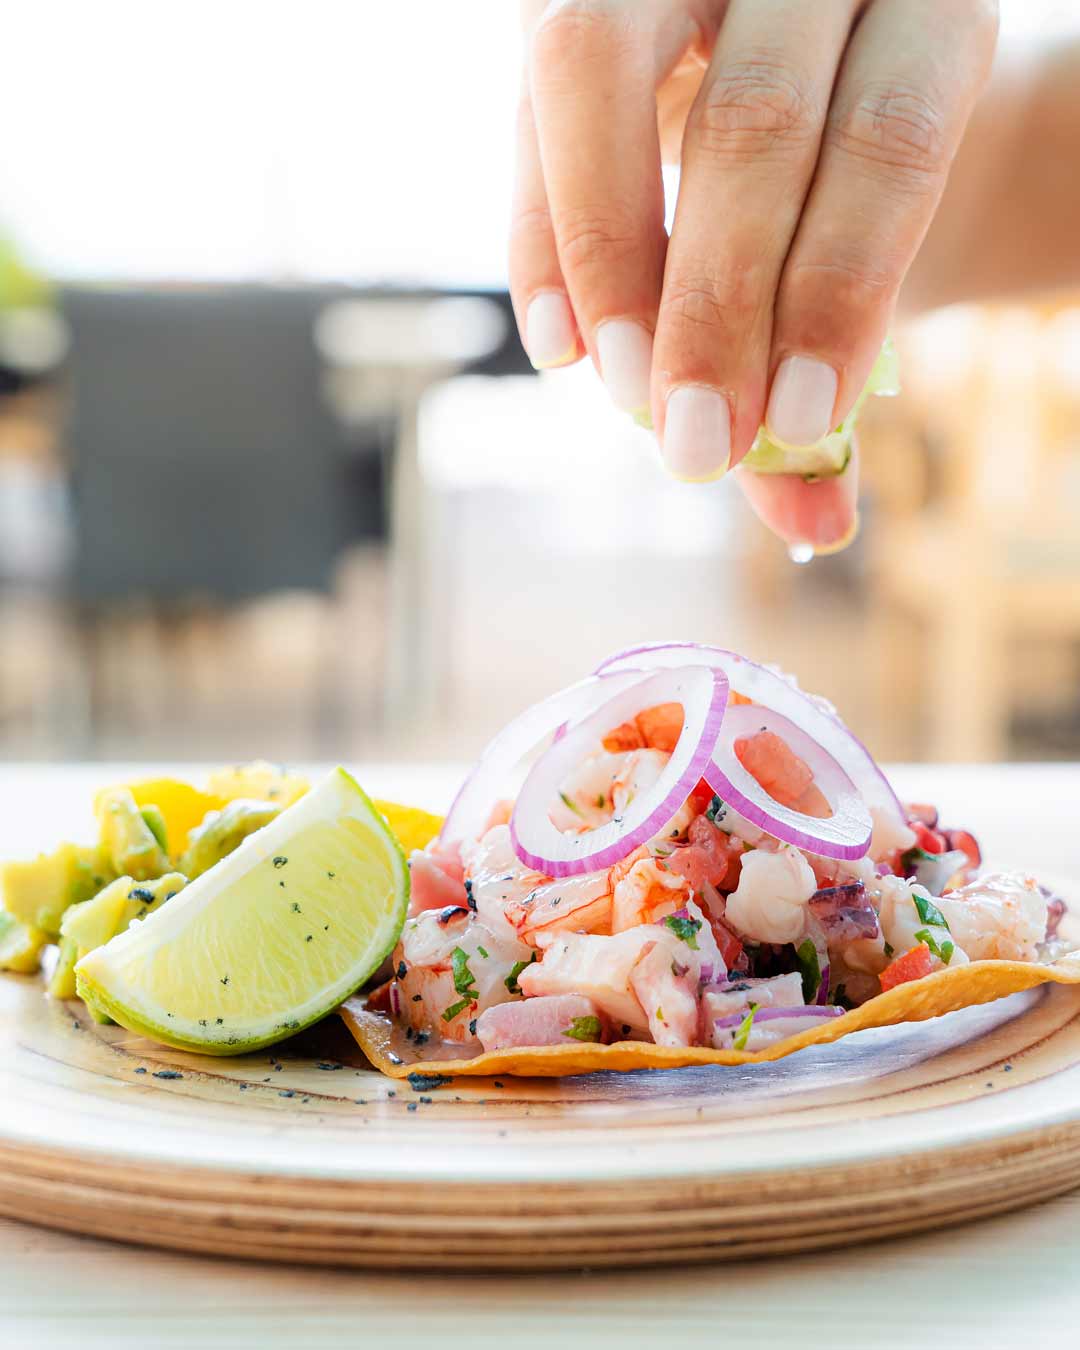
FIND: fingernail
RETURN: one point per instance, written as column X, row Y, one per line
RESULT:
column 697, row 434
column 802, row 401
column 838, row 545
column 550, row 330
column 625, row 352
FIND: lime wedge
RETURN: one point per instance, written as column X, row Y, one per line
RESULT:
column 269, row 940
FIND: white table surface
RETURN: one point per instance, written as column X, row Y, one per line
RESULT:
column 1013, row 1280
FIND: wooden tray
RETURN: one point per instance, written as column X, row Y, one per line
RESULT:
column 307, row 1155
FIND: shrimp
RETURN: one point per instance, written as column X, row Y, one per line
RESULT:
column 769, row 904
column 581, row 904
column 604, row 785
column 495, row 879
column 1001, row 917
column 449, row 967
column 436, row 879
column 647, row 893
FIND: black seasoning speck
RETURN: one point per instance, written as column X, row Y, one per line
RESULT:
column 428, row 1082
column 408, row 1033
column 498, row 1084
column 391, row 1092
column 411, row 1106
column 402, row 970
column 418, row 998
column 626, row 1031
column 287, row 1092
column 426, row 1101
column 243, row 1087
column 326, row 928
column 309, row 937
column 331, row 875
column 1007, row 1068
column 295, row 907
column 280, row 861
column 469, row 897
column 281, row 884
column 422, row 1037
column 219, row 1021
column 277, row 1069
column 328, row 1065
column 472, row 1027
column 167, row 1073
column 224, row 980
column 140, row 1069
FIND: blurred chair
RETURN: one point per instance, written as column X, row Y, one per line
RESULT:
column 964, row 584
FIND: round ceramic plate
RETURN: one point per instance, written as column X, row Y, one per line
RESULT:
column 307, row 1155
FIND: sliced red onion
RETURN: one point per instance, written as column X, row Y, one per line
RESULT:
column 703, row 693
column 844, row 834
column 487, row 780
column 845, row 912
column 773, row 689
column 778, row 1014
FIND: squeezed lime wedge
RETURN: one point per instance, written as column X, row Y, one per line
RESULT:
column 267, row 941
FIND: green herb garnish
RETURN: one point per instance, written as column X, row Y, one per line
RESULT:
column 890, row 950
column 716, row 810
column 684, row 928
column 943, row 952
column 584, row 1029
column 743, row 1033
column 809, row 968
column 929, row 912
column 511, row 980
column 455, row 1008
column 570, row 805
column 482, row 952
column 464, row 979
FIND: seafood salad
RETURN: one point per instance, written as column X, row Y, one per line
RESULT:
column 703, row 856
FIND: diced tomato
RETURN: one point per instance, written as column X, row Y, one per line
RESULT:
column 930, row 841
column 736, row 699
column 706, row 859
column 913, row 965
column 730, row 944
column 701, row 796
column 966, row 843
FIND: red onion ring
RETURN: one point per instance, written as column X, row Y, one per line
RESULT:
column 775, row 690
column 703, row 693
column 845, row 834
column 486, row 781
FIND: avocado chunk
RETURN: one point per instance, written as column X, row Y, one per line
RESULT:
column 123, row 902
column 37, row 893
column 223, row 831
column 62, row 983
column 128, row 841
column 155, row 822
column 20, row 945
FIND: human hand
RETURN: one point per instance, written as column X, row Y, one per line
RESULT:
column 814, row 139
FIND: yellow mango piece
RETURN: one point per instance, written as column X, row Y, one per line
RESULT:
column 412, row 827
column 37, row 893
column 183, row 807
column 20, row 945
column 258, row 781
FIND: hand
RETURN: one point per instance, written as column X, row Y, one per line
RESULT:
column 814, row 138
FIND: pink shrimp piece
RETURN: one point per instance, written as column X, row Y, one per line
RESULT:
column 667, row 993
column 647, row 894
column 576, row 904
column 557, row 1019
column 436, row 878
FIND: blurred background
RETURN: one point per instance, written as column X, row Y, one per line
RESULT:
column 277, row 480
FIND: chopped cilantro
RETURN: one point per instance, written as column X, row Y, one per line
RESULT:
column 455, row 1008
column 464, row 979
column 482, row 952
column 929, row 912
column 743, row 1033
column 914, row 856
column 716, row 810
column 942, row 951
column 684, row 928
column 584, row 1029
column 570, row 805
column 511, row 980
column 890, row 950
column 809, row 968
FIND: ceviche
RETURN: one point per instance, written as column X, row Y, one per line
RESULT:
column 703, row 862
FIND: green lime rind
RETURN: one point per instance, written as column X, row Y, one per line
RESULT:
column 128, row 1006
column 830, row 456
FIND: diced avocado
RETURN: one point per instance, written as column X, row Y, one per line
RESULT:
column 222, row 831
column 97, row 921
column 37, row 893
column 62, row 984
column 258, row 781
column 127, row 839
column 20, row 945
column 155, row 820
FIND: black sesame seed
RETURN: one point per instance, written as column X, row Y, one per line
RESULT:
column 402, row 970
